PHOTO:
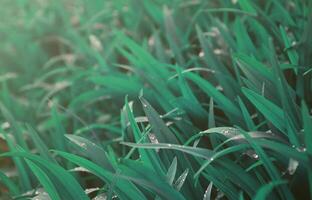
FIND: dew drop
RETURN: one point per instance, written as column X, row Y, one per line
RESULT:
column 292, row 166
column 83, row 145
column 90, row 190
column 255, row 156
column 153, row 138
column 217, row 51
column 301, row 149
column 269, row 131
column 226, row 132
column 201, row 54
column 100, row 197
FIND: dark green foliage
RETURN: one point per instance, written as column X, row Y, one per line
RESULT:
column 156, row 99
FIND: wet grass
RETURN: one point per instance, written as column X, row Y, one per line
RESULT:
column 135, row 99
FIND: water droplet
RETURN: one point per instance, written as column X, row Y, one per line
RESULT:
column 83, row 145
column 201, row 54
column 255, row 156
column 301, row 149
column 219, row 87
column 153, row 138
column 218, row 51
column 252, row 154
column 225, row 132
column 90, row 190
column 100, row 197
column 79, row 169
column 169, row 123
column 292, row 166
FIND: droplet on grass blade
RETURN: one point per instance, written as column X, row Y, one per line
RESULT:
column 255, row 156
column 292, row 166
column 252, row 154
column 180, row 181
column 207, row 194
column 218, row 51
column 90, row 190
column 201, row 54
column 83, row 145
column 153, row 139
column 100, row 197
column 301, row 149
column 79, row 169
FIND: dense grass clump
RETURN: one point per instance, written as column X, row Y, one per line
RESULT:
column 156, row 99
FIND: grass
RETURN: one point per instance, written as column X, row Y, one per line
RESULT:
column 133, row 99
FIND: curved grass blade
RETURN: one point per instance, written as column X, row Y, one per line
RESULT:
column 273, row 172
column 9, row 184
column 69, row 188
column 44, row 180
column 180, row 181
column 266, row 189
column 172, row 171
column 20, row 164
column 195, row 151
column 271, row 111
column 146, row 177
column 162, row 132
column 227, row 106
column 42, row 148
column 124, row 188
column 93, row 151
column 207, row 195
column 149, row 157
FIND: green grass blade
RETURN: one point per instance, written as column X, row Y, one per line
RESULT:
column 124, row 189
column 44, row 180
